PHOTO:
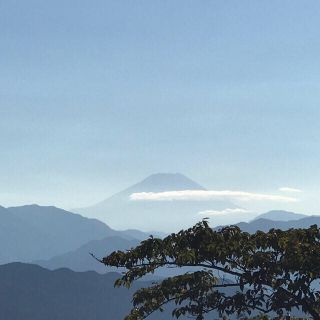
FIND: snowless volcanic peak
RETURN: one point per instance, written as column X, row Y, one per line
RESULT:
column 120, row 211
column 160, row 182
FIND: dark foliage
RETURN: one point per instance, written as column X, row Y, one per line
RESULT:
column 275, row 271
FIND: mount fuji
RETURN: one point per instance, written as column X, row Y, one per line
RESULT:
column 121, row 212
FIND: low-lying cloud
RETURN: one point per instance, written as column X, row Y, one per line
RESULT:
column 288, row 189
column 223, row 212
column 205, row 195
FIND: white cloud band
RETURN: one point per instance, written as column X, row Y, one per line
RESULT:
column 288, row 189
column 202, row 195
column 224, row 212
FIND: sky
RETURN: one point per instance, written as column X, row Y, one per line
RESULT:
column 97, row 95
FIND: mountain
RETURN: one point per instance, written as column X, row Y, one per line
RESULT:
column 120, row 212
column 81, row 260
column 280, row 215
column 35, row 232
column 266, row 224
column 29, row 292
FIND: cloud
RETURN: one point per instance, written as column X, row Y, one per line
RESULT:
column 222, row 212
column 288, row 189
column 203, row 195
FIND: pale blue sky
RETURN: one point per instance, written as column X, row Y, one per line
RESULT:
column 96, row 95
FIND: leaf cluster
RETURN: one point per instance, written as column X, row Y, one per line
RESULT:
column 267, row 271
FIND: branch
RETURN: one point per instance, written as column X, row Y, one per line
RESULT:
column 163, row 264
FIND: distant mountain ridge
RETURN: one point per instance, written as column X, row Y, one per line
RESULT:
column 120, row 212
column 281, row 215
column 31, row 232
column 266, row 224
column 80, row 259
column 35, row 232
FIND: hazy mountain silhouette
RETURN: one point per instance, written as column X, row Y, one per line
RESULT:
column 81, row 260
column 120, row 212
column 30, row 292
column 266, row 224
column 281, row 215
column 34, row 232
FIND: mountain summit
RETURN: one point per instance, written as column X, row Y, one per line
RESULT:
column 160, row 182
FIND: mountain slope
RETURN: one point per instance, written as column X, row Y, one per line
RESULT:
column 29, row 292
column 81, row 260
column 35, row 233
column 18, row 240
column 64, row 228
column 120, row 212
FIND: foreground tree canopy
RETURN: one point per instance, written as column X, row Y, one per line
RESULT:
column 237, row 272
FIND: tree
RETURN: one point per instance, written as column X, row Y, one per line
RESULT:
column 235, row 272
